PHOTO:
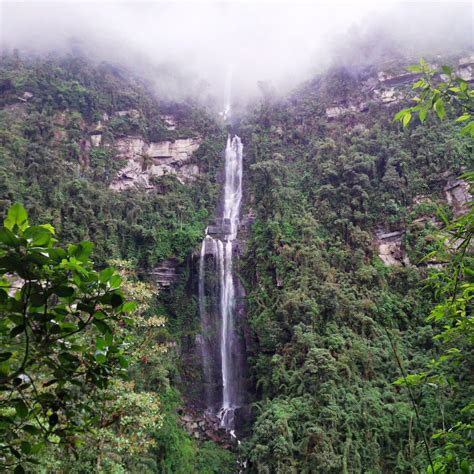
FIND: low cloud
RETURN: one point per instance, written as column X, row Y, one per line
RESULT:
column 191, row 47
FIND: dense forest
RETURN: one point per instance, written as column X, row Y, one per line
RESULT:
column 358, row 333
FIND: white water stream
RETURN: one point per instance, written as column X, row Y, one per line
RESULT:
column 222, row 250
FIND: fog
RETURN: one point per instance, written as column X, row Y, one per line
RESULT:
column 193, row 47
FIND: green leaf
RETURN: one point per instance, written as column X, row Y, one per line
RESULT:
column 447, row 70
column 100, row 357
column 463, row 118
column 129, row 306
column 468, row 129
column 399, row 115
column 37, row 236
column 53, row 419
column 25, row 447
column 439, row 108
column 414, row 68
column 48, row 227
column 21, row 409
column 419, row 84
column 406, row 119
column 101, row 326
column 63, row 291
column 8, row 237
column 106, row 274
column 123, row 361
column 5, row 356
column 116, row 300
column 31, row 429
column 81, row 251
column 422, row 115
column 115, row 282
column 16, row 216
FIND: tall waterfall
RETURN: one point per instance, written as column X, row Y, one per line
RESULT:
column 221, row 342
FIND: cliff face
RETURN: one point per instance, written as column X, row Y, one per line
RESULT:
column 147, row 160
column 386, row 85
column 94, row 152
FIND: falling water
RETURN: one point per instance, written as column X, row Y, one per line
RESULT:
column 221, row 250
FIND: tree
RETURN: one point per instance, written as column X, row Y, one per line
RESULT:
column 58, row 345
column 450, row 374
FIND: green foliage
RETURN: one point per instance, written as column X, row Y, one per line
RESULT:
column 451, row 372
column 319, row 299
column 58, row 345
column 48, row 163
column 439, row 90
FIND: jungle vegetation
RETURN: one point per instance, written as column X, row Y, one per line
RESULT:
column 354, row 365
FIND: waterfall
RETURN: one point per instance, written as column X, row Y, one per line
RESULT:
column 219, row 315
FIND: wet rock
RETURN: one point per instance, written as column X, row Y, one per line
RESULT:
column 164, row 275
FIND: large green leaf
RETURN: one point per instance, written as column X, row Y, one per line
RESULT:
column 16, row 216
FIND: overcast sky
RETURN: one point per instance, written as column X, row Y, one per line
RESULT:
column 281, row 42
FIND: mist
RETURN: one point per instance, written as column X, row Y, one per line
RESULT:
column 193, row 47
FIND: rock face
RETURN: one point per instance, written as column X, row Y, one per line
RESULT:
column 333, row 112
column 387, row 96
column 457, row 195
column 390, row 247
column 133, row 113
column 169, row 121
column 96, row 139
column 25, row 97
column 165, row 274
column 205, row 427
column 146, row 160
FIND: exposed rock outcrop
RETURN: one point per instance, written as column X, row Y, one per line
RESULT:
column 387, row 96
column 332, row 112
column 169, row 121
column 133, row 113
column 204, row 427
column 146, row 160
column 457, row 195
column 390, row 247
column 96, row 139
column 164, row 274
column 25, row 97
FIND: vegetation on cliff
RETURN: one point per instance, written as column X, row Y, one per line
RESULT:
column 328, row 176
column 328, row 319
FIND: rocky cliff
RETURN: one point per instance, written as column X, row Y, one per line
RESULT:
column 147, row 160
